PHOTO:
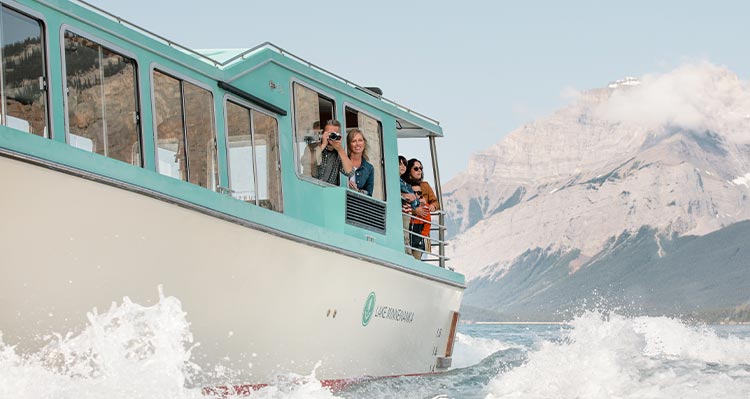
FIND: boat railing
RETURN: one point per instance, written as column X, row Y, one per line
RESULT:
column 245, row 53
column 428, row 254
column 149, row 33
column 335, row 76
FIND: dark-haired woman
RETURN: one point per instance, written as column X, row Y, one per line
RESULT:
column 429, row 203
column 413, row 175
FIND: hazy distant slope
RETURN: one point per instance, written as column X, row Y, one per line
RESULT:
column 693, row 275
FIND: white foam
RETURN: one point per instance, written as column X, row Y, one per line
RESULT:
column 130, row 351
column 469, row 350
column 293, row 386
column 619, row 357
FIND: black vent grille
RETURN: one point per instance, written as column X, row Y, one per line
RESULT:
column 363, row 211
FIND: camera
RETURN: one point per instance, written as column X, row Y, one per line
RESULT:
column 334, row 136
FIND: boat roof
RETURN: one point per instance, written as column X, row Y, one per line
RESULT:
column 410, row 122
column 222, row 56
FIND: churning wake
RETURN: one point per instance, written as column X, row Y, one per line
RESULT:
column 644, row 357
column 133, row 351
column 130, row 351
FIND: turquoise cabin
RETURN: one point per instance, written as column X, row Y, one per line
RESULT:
column 225, row 131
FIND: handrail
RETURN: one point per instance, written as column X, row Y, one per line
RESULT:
column 242, row 55
column 330, row 74
column 430, row 222
column 441, row 244
column 170, row 43
column 439, row 193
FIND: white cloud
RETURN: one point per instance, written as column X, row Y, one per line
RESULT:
column 570, row 93
column 698, row 96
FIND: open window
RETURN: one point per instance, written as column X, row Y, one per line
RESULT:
column 184, row 131
column 311, row 110
column 372, row 130
column 24, row 77
column 253, row 156
column 418, row 142
column 102, row 100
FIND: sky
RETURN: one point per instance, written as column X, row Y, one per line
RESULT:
column 481, row 68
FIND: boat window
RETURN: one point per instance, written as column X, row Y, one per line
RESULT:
column 310, row 110
column 253, row 153
column 372, row 129
column 184, row 130
column 266, row 143
column 201, row 136
column 23, row 89
column 102, row 100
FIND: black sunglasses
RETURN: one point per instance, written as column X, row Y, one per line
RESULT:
column 416, row 168
column 419, row 193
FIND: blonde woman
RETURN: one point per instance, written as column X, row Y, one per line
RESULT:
column 363, row 179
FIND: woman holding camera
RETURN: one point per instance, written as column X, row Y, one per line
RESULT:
column 363, row 179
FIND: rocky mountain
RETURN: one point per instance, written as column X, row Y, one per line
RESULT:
column 665, row 155
column 636, row 273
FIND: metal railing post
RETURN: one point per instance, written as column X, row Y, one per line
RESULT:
column 439, row 193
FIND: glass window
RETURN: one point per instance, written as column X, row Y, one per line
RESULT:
column 185, row 133
column 268, row 170
column 120, row 107
column 170, row 128
column 310, row 110
column 253, row 145
column 23, row 88
column 102, row 100
column 241, row 168
column 201, row 136
column 372, row 129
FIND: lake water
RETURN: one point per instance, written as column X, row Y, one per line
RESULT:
column 595, row 356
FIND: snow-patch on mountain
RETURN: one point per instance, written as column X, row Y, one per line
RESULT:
column 669, row 151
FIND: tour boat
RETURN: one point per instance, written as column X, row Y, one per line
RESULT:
column 131, row 164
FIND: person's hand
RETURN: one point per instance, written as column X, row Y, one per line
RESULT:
column 421, row 212
column 410, row 196
column 336, row 144
column 352, row 185
column 324, row 139
column 432, row 207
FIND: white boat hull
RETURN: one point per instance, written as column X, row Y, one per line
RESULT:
column 70, row 245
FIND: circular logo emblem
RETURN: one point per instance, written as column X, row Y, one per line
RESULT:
column 369, row 309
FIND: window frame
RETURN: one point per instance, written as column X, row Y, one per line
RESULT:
column 155, row 66
column 40, row 18
column 297, row 155
column 279, row 161
column 115, row 49
column 354, row 107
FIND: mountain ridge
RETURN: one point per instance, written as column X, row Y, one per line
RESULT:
column 646, row 165
column 628, row 275
column 577, row 177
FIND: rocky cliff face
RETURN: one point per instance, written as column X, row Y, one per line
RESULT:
column 671, row 152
